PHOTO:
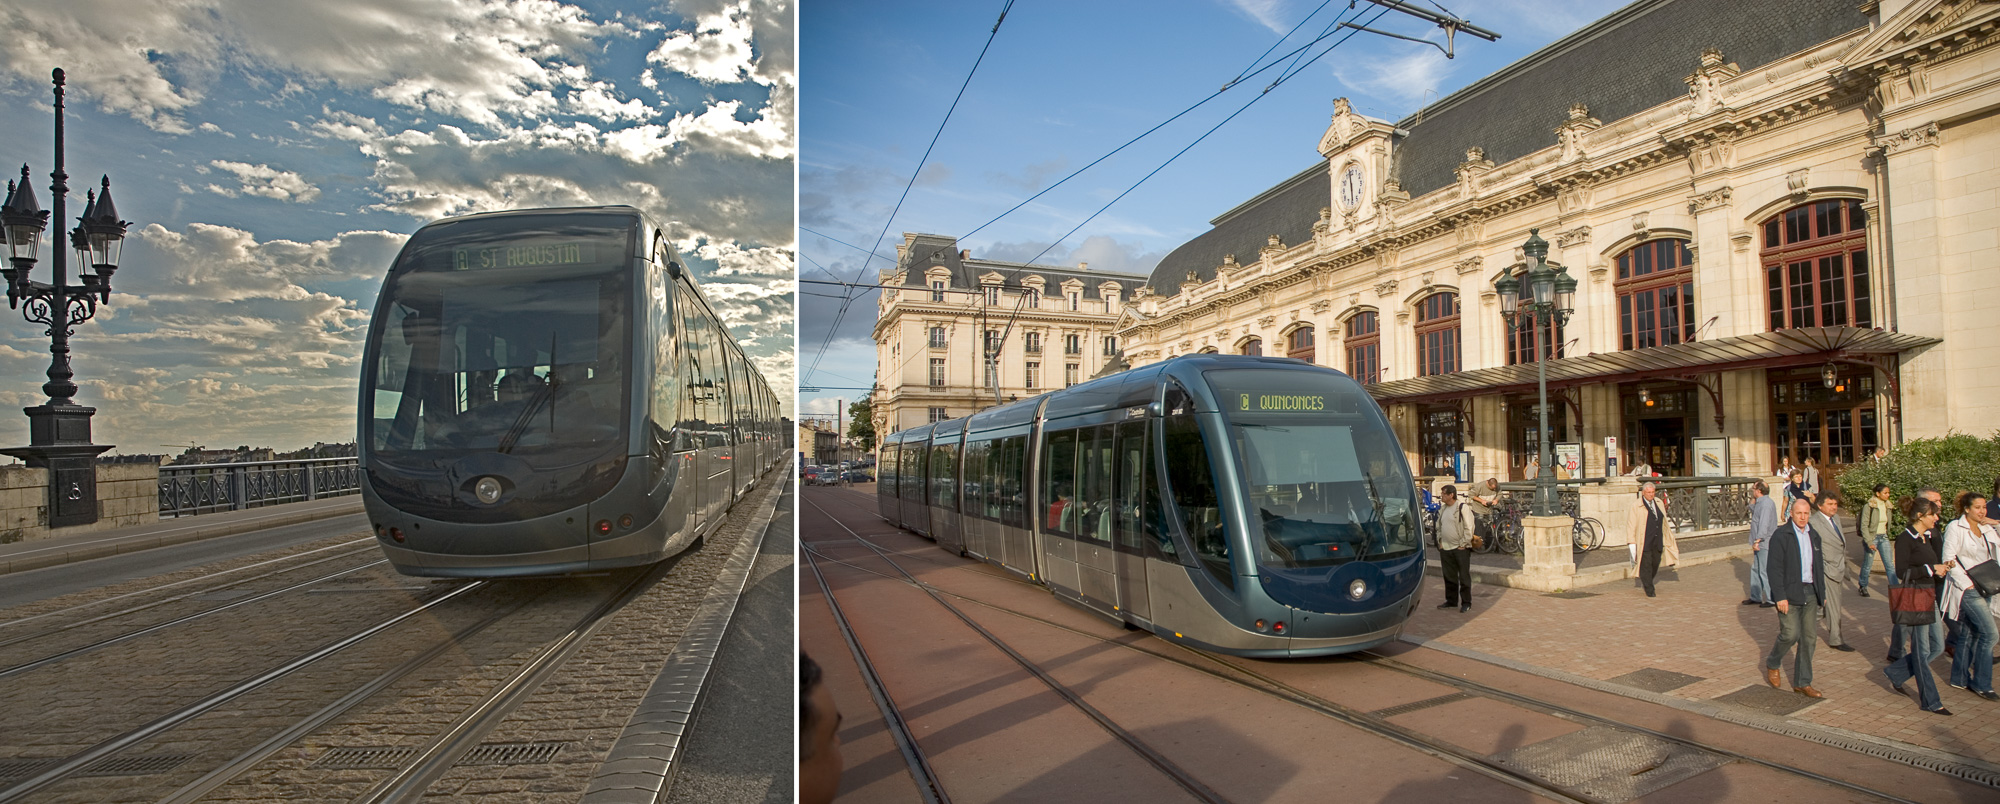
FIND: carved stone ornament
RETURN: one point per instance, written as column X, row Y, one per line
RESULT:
column 1573, row 198
column 1426, row 279
column 1469, row 265
column 1640, row 226
column 1295, row 315
column 1469, row 171
column 1267, row 321
column 1353, row 298
column 1222, row 333
column 1712, row 199
column 1796, row 181
column 1186, row 346
column 1325, row 221
column 1921, row 137
column 1228, row 264
column 1599, row 274
column 1574, row 237
column 1570, row 134
column 1385, row 289
column 1705, row 84
column 1322, row 306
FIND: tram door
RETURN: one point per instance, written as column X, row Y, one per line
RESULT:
column 1135, row 464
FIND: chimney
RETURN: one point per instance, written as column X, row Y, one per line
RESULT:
column 1083, row 266
column 965, row 254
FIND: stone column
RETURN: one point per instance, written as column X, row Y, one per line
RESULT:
column 1610, row 503
column 1546, row 553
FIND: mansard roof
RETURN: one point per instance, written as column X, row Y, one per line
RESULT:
column 1634, row 59
column 925, row 252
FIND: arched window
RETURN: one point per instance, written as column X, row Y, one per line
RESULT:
column 1299, row 344
column 1437, row 334
column 1210, row 350
column 1254, row 347
column 1655, row 295
column 1364, row 347
column 1815, row 260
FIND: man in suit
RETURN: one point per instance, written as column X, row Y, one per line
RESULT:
column 1833, row 562
column 1763, row 520
column 1795, row 565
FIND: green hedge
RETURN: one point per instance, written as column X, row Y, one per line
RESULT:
column 1952, row 464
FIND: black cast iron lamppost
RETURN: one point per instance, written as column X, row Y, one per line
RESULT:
column 59, row 431
column 1550, row 300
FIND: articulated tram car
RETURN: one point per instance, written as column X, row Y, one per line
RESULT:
column 546, row 392
column 1244, row 505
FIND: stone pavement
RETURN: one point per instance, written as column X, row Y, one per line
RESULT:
column 66, row 549
column 1698, row 627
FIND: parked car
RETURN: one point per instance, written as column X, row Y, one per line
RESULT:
column 856, row 476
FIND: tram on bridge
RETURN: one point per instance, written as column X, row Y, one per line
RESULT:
column 1251, row 506
column 548, row 391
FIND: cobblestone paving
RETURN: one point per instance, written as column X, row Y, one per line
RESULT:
column 586, row 704
column 9, row 628
column 1698, row 626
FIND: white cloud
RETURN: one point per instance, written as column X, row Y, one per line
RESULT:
column 717, row 51
column 266, row 182
column 1268, row 13
column 1405, row 77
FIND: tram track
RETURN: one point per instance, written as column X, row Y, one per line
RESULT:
column 1234, row 672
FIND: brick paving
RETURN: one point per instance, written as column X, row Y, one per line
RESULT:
column 1698, row 626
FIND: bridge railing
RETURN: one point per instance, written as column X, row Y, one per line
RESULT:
column 212, row 487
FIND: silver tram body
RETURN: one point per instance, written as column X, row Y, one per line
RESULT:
column 1244, row 505
column 547, row 392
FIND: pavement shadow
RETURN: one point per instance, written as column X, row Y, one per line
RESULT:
column 1235, row 768
column 1454, row 785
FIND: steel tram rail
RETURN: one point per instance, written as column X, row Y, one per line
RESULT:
column 1160, row 762
column 81, row 760
column 104, row 643
column 921, row 772
column 184, row 596
column 1289, row 693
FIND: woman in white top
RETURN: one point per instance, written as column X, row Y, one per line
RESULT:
column 1968, row 541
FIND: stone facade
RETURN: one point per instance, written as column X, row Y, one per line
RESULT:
column 1887, row 132
column 127, row 494
column 1055, row 322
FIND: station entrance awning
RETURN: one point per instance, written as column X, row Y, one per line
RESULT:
column 1783, row 348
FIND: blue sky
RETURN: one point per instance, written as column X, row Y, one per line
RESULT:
column 274, row 154
column 1063, row 84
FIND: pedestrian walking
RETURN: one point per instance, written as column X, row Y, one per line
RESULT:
column 1795, row 564
column 1482, row 497
column 1796, row 488
column 1875, row 538
column 1455, row 540
column 1833, row 565
column 1917, row 553
column 1811, row 471
column 1763, row 521
column 1970, row 541
column 1650, row 535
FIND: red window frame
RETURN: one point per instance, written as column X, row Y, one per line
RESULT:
column 1655, row 288
column 1364, row 347
column 1254, row 347
column 1299, row 344
column 1816, row 266
column 1437, row 335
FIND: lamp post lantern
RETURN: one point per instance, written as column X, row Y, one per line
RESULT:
column 59, row 431
column 1548, row 301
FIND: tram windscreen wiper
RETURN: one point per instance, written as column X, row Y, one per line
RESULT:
column 535, row 403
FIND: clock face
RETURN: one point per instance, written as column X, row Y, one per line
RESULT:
column 1350, row 187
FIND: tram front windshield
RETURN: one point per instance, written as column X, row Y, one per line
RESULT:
column 506, row 335
column 1325, row 481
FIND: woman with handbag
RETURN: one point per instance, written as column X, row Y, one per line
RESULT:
column 1914, row 603
column 1970, row 545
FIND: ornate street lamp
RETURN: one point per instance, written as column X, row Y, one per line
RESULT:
column 59, row 431
column 1550, row 297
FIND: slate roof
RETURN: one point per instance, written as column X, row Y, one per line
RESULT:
column 1632, row 60
column 927, row 251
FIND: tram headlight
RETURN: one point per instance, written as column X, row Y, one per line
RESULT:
column 487, row 490
column 1357, row 590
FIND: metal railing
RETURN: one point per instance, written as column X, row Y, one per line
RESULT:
column 211, row 487
column 1705, row 503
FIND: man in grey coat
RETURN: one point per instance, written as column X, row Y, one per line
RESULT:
column 1833, row 564
column 1763, row 520
column 1454, row 540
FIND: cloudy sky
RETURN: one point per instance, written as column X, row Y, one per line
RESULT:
column 1063, row 84
column 274, row 154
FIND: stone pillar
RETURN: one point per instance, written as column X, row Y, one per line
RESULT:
column 1546, row 553
column 1610, row 503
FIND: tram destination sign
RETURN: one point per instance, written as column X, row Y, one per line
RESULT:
column 537, row 255
column 1280, row 403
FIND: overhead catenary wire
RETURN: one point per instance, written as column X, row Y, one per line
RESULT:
column 842, row 312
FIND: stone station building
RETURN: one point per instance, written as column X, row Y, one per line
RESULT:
column 1782, row 217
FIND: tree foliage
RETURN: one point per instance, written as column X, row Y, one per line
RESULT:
column 1952, row 464
column 861, row 424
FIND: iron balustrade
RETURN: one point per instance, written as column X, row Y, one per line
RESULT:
column 211, row 487
column 1706, row 503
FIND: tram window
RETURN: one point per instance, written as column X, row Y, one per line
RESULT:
column 1012, row 481
column 944, row 479
column 1192, row 481
column 885, row 475
column 1094, row 499
column 1059, row 481
column 1138, row 507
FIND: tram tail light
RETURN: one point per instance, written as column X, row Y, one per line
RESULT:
column 603, row 526
column 625, row 522
column 396, row 533
column 1278, row 626
column 1260, row 625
